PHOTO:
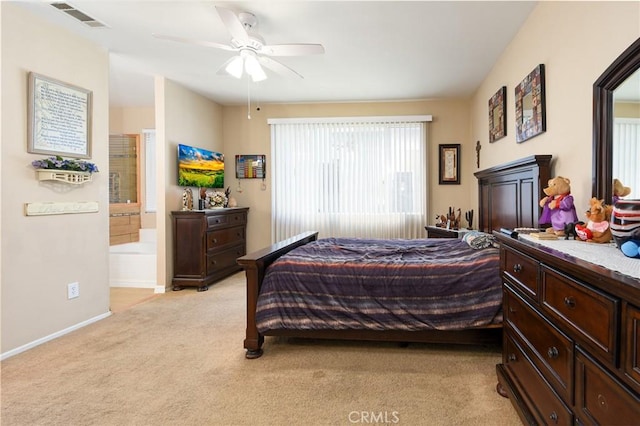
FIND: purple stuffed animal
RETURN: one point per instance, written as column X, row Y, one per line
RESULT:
column 557, row 207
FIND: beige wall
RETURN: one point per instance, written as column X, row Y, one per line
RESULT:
column 133, row 120
column 576, row 41
column 181, row 116
column 627, row 109
column 243, row 136
column 41, row 255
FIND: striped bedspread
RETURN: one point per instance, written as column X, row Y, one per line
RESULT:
column 340, row 283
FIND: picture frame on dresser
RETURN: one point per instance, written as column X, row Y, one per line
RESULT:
column 530, row 114
column 449, row 164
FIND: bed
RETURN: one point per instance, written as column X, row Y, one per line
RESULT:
column 378, row 294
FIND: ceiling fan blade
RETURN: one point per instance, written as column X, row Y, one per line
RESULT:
column 233, row 24
column 197, row 42
column 300, row 49
column 278, row 67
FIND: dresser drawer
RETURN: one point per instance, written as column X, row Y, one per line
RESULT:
column 225, row 237
column 600, row 398
column 541, row 400
column 223, row 220
column 631, row 344
column 521, row 271
column 591, row 314
column 552, row 350
column 224, row 259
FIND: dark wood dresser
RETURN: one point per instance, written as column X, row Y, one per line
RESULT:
column 571, row 351
column 206, row 244
column 439, row 232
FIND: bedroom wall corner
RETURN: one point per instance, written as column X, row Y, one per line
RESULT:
column 576, row 41
column 181, row 116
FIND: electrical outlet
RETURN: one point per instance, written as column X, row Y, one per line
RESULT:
column 73, row 290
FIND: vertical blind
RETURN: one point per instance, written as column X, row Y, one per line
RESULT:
column 626, row 153
column 363, row 177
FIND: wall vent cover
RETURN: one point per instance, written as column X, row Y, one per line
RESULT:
column 78, row 15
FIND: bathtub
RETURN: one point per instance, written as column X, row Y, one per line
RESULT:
column 134, row 264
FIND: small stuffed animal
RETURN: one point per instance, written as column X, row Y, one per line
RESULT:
column 557, row 207
column 619, row 190
column 631, row 248
column 570, row 230
column 597, row 229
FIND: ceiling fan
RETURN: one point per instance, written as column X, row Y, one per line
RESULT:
column 253, row 52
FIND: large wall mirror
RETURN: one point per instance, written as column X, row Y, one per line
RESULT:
column 616, row 102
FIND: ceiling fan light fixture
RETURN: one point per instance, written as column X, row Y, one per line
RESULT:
column 254, row 69
column 235, row 67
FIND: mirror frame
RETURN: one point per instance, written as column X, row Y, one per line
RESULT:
column 625, row 65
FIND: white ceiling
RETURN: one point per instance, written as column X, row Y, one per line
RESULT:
column 374, row 50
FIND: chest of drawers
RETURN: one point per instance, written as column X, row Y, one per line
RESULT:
column 206, row 244
column 571, row 351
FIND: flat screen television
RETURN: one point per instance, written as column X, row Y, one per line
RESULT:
column 200, row 168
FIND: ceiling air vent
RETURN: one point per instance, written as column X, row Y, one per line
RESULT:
column 80, row 16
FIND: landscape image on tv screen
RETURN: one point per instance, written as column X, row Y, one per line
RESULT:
column 200, row 168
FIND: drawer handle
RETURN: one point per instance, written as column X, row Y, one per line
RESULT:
column 215, row 241
column 553, row 352
column 512, row 310
column 512, row 357
column 570, row 302
column 517, row 268
column 553, row 417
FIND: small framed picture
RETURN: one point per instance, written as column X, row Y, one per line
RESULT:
column 449, row 167
column 251, row 166
column 531, row 117
column 498, row 115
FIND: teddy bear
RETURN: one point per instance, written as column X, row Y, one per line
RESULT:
column 557, row 207
column 619, row 190
column 597, row 229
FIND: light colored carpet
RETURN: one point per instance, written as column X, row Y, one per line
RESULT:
column 178, row 359
column 123, row 298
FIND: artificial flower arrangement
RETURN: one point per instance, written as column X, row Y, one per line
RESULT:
column 59, row 163
column 217, row 199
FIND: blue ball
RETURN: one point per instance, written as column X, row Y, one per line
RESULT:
column 631, row 248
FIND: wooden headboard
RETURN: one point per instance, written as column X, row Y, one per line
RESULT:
column 509, row 194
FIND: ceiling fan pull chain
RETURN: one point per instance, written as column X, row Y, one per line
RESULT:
column 248, row 99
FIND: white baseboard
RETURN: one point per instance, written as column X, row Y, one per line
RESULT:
column 132, row 283
column 159, row 289
column 55, row 335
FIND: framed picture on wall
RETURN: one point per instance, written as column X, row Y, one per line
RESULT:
column 251, row 166
column 449, row 167
column 59, row 118
column 530, row 105
column 498, row 115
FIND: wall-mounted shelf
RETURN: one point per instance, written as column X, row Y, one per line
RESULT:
column 67, row 176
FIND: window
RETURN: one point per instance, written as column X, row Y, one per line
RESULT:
column 362, row 177
column 123, row 169
column 626, row 152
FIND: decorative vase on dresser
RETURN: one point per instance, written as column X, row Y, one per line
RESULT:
column 206, row 244
column 571, row 348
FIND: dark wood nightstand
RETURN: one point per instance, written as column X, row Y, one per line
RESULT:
column 438, row 232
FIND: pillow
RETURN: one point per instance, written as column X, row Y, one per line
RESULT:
column 480, row 240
